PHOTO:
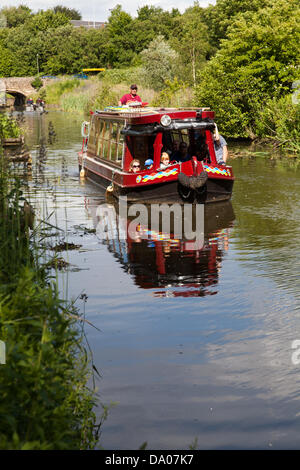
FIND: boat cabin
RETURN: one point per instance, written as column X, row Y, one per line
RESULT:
column 118, row 138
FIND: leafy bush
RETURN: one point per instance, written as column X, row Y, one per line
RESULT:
column 128, row 75
column 8, row 127
column 258, row 60
column 279, row 121
column 37, row 83
column 105, row 97
column 175, row 93
column 159, row 62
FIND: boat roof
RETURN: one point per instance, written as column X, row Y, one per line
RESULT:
column 147, row 114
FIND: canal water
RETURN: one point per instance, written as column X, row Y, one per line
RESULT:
column 194, row 342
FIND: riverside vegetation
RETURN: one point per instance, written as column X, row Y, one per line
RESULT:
column 239, row 57
column 8, row 128
column 45, row 400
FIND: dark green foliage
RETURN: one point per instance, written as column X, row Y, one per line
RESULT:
column 37, row 83
column 190, row 40
column 69, row 12
column 279, row 121
column 45, row 402
column 257, row 62
column 8, row 127
column 237, row 55
column 45, row 20
column 15, row 16
column 159, row 61
column 220, row 17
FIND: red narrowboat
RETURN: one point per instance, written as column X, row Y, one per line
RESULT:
column 119, row 143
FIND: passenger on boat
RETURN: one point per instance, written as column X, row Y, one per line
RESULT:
column 164, row 161
column 130, row 97
column 182, row 155
column 135, row 166
column 201, row 151
column 149, row 164
column 175, row 148
column 221, row 150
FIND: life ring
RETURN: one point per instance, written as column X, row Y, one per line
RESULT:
column 85, row 129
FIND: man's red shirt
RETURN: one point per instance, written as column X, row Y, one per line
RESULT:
column 130, row 97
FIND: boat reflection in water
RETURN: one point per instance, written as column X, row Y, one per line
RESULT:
column 175, row 265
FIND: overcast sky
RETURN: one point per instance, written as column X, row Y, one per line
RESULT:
column 98, row 10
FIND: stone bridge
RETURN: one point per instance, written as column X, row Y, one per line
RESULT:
column 19, row 87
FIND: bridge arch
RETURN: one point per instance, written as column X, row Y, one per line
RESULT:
column 20, row 97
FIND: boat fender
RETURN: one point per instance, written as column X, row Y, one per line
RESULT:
column 85, row 129
column 110, row 188
column 193, row 182
column 82, row 173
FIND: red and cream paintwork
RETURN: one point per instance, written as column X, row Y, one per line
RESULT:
column 149, row 185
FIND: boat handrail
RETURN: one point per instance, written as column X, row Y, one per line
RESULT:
column 151, row 129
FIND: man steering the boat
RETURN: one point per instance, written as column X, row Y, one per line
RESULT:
column 130, row 97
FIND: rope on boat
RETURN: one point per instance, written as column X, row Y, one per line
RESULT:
column 110, row 188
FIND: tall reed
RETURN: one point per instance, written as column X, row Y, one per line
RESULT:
column 45, row 401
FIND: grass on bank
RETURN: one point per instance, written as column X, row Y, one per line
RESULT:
column 81, row 96
column 45, row 401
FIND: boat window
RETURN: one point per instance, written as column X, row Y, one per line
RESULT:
column 120, row 146
column 106, row 140
column 99, row 139
column 141, row 147
column 117, row 141
column 91, row 142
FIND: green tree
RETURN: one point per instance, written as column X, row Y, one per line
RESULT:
column 18, row 42
column 72, row 49
column 44, row 20
column 219, row 17
column 68, row 12
column 16, row 15
column 159, row 61
column 190, row 40
column 120, row 37
column 258, row 60
column 150, row 22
